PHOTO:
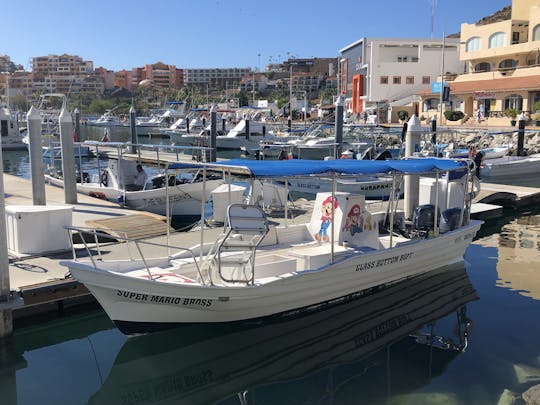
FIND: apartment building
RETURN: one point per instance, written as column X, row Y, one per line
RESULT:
column 215, row 78
column 19, row 82
column 65, row 74
column 374, row 72
column 502, row 66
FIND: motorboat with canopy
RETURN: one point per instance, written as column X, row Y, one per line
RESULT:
column 252, row 269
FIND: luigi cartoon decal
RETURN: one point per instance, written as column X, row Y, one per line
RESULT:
column 355, row 220
column 326, row 218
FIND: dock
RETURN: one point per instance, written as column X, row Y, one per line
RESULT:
column 40, row 279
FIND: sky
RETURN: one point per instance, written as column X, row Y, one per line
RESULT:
column 120, row 34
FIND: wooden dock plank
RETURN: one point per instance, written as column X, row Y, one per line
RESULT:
column 135, row 226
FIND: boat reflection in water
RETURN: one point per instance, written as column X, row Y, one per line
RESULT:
column 336, row 353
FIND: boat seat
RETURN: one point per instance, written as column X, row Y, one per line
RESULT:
column 233, row 255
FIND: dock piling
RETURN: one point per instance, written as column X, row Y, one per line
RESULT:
column 68, row 157
column 213, row 133
column 77, row 136
column 521, row 137
column 6, row 319
column 133, row 127
column 248, row 129
column 339, row 127
column 412, row 182
column 35, row 153
column 434, row 129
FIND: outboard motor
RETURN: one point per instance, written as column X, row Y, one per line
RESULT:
column 450, row 219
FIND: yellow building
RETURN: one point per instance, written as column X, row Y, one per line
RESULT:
column 502, row 68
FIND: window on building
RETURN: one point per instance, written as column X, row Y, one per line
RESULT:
column 497, row 40
column 513, row 101
column 402, row 59
column 384, row 79
column 473, row 44
column 426, row 80
column 508, row 64
column 536, row 33
column 482, row 67
column 409, row 80
column 396, row 80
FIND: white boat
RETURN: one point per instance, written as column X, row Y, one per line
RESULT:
column 51, row 147
column 152, row 124
column 259, row 131
column 108, row 119
column 326, row 352
column 489, row 153
column 253, row 270
column 510, row 167
column 495, row 152
column 50, row 105
column 11, row 136
column 180, row 196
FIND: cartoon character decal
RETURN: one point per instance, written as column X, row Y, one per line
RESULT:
column 326, row 218
column 355, row 220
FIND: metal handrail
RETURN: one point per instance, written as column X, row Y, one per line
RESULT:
column 97, row 233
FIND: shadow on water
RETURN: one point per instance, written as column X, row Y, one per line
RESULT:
column 355, row 345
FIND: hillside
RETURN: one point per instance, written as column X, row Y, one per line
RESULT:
column 501, row 15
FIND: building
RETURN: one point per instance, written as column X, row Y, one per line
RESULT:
column 107, row 76
column 161, row 75
column 60, row 65
column 374, row 72
column 65, row 74
column 502, row 66
column 123, row 79
column 259, row 81
column 215, row 78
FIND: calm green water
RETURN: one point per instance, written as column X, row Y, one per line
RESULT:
column 462, row 336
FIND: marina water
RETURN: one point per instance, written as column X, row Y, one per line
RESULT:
column 468, row 335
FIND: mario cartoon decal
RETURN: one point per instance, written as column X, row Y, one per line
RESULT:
column 355, row 220
column 326, row 218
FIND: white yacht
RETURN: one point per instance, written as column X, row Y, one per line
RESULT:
column 12, row 137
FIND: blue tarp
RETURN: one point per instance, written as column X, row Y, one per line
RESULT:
column 295, row 167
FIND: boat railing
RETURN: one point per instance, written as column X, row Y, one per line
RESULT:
column 95, row 235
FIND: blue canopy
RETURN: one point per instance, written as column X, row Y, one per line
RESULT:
column 295, row 167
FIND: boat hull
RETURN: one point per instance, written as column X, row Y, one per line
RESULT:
column 184, row 200
column 511, row 167
column 147, row 305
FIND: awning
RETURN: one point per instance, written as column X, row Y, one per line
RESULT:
column 295, row 167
